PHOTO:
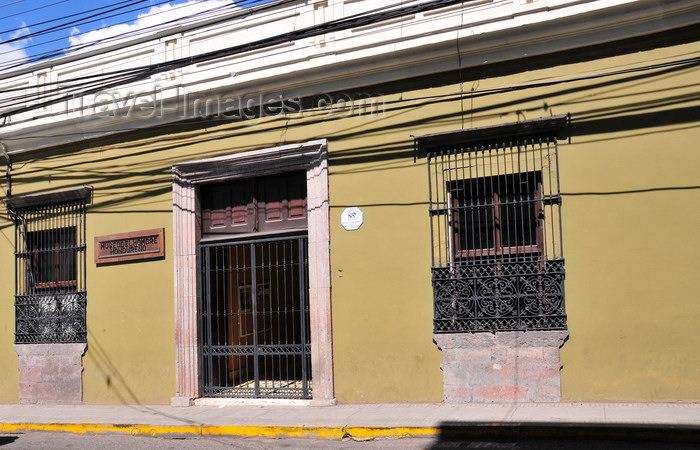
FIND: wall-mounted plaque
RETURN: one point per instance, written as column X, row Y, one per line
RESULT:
column 352, row 218
column 136, row 245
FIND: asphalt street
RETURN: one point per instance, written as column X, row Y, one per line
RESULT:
column 57, row 440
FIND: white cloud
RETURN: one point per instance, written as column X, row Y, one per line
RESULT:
column 15, row 52
column 12, row 54
column 158, row 17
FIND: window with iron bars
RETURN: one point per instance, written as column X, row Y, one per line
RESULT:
column 495, row 210
column 50, row 262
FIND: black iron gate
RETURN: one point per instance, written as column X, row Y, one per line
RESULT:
column 255, row 319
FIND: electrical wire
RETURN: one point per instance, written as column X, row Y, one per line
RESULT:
column 82, row 21
column 29, row 10
column 96, row 83
column 426, row 99
column 22, row 61
column 104, row 71
column 260, row 11
column 11, row 3
column 33, row 34
column 137, row 74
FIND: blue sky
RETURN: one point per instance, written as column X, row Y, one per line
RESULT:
column 19, row 18
column 25, row 24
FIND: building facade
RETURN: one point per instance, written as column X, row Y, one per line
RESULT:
column 326, row 202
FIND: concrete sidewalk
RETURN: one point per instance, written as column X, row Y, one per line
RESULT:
column 644, row 420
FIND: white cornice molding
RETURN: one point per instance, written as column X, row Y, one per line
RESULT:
column 418, row 55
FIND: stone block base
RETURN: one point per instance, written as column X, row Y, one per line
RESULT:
column 182, row 401
column 501, row 367
column 50, row 373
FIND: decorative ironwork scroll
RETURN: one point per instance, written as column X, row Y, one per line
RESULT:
column 500, row 297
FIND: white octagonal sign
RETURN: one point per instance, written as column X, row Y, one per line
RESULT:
column 351, row 218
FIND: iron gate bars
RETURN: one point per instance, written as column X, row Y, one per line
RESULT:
column 255, row 319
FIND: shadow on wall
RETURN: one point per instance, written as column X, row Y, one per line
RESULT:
column 152, row 178
column 113, row 379
column 142, row 186
column 116, row 382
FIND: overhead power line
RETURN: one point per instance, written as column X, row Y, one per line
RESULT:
column 29, row 10
column 58, row 27
column 452, row 96
column 120, row 78
column 96, row 17
column 103, row 14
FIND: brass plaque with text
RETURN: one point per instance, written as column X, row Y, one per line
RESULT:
column 135, row 245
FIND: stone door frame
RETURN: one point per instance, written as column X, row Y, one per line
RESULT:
column 310, row 156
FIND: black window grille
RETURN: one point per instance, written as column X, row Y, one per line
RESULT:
column 495, row 209
column 50, row 259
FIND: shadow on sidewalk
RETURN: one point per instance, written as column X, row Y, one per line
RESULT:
column 5, row 440
column 566, row 436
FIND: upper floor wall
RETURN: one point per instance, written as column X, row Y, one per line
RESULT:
column 235, row 65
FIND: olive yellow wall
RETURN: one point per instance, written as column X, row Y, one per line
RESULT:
column 631, row 187
column 9, row 375
column 629, row 181
column 131, row 346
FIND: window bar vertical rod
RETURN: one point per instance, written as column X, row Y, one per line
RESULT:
column 533, row 207
column 206, row 299
column 303, row 294
column 273, row 268
column 281, row 311
column 452, row 213
column 214, row 316
column 229, row 312
column 297, row 307
column 60, row 216
column 277, row 263
column 445, row 229
column 528, row 191
column 507, row 192
column 501, row 152
column 447, row 242
column 458, row 204
column 441, row 200
column 239, row 266
column 282, row 264
column 545, row 157
column 431, row 208
column 556, row 159
column 279, row 307
column 220, row 297
column 546, row 208
column 471, row 164
column 491, row 210
column 254, row 301
column 439, row 166
column 300, row 338
column 266, row 276
column 493, row 182
column 266, row 267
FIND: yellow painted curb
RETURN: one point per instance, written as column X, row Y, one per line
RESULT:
column 135, row 430
column 395, row 432
column 301, row 431
column 275, row 431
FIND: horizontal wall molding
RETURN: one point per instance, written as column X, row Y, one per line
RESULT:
column 570, row 26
